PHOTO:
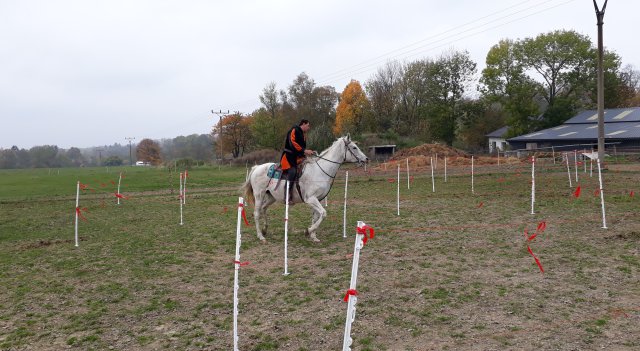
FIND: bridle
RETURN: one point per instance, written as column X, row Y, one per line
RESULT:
column 346, row 148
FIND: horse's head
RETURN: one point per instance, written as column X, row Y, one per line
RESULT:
column 352, row 152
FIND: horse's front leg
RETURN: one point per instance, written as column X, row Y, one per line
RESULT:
column 319, row 214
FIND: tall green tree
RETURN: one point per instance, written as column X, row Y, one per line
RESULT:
column 451, row 75
column 505, row 82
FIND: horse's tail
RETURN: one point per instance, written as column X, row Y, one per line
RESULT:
column 247, row 188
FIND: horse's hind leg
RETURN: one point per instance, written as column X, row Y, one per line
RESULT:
column 267, row 201
column 257, row 210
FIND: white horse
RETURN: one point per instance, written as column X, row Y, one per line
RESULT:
column 315, row 183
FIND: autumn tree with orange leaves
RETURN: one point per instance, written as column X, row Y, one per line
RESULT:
column 353, row 111
column 233, row 134
column 149, row 151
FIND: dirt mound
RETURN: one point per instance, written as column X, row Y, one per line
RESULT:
column 429, row 150
column 421, row 156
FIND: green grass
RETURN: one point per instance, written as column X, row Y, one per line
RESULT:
column 445, row 274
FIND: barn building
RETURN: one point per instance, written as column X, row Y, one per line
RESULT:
column 621, row 129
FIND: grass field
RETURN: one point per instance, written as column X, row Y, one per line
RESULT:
column 452, row 272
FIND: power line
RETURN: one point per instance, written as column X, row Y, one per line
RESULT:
column 403, row 54
column 426, row 39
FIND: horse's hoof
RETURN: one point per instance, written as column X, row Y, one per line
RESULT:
column 315, row 240
column 306, row 232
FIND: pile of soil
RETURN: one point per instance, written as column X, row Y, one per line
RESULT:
column 429, row 150
column 421, row 156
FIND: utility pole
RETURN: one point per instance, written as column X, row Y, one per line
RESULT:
column 220, row 115
column 130, row 158
column 99, row 156
column 600, row 17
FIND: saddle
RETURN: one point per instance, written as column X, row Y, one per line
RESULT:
column 275, row 172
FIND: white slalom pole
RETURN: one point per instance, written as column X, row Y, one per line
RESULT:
column 568, row 170
column 575, row 161
column 408, row 173
column 604, row 218
column 184, row 187
column 77, row 210
column 326, row 202
column 398, row 200
column 236, row 284
column 352, row 294
column 553, row 154
column 344, row 213
column 436, row 165
column 584, row 161
column 445, row 169
column 286, row 229
column 473, row 191
column 591, row 164
column 119, row 180
column 180, row 198
column 433, row 182
column 533, row 182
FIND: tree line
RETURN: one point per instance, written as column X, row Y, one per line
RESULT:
column 187, row 150
column 528, row 84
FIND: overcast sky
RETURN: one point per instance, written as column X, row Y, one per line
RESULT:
column 90, row 73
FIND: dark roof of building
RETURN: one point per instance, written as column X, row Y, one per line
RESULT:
column 631, row 114
column 498, row 133
column 620, row 130
column 619, row 123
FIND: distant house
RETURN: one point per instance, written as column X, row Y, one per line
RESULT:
column 382, row 151
column 497, row 139
column 621, row 128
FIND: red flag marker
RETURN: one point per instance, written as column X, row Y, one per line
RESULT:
column 242, row 264
column 79, row 213
column 363, row 231
column 536, row 259
column 244, row 215
column 576, row 193
column 350, row 292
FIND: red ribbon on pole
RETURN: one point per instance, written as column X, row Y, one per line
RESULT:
column 79, row 213
column 242, row 264
column 350, row 292
column 631, row 193
column 120, row 196
column 244, row 215
column 481, row 204
column 535, row 258
column 541, row 227
column 576, row 193
column 363, row 231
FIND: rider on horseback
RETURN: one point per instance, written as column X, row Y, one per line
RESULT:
column 295, row 149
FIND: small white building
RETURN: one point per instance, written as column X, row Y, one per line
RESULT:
column 497, row 142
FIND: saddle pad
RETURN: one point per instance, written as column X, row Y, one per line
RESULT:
column 273, row 172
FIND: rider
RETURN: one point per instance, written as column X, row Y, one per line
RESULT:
column 295, row 149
